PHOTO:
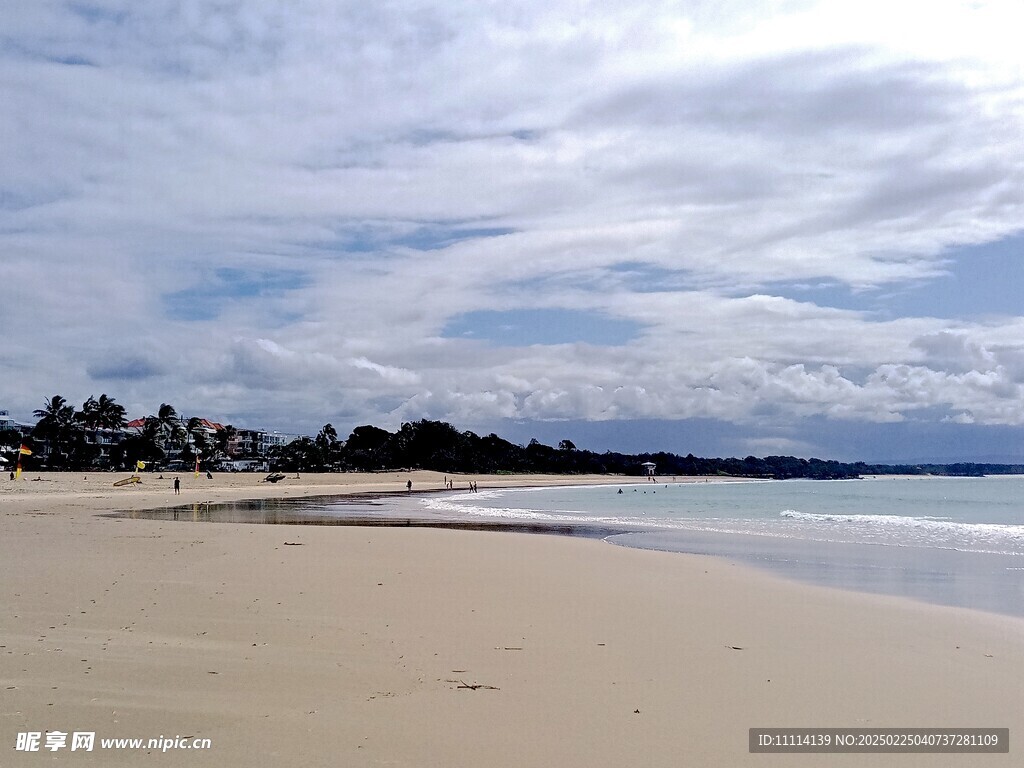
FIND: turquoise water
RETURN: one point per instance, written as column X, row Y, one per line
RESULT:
column 967, row 514
column 951, row 541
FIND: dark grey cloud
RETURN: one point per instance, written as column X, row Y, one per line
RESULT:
column 120, row 367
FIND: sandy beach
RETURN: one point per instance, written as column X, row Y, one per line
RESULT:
column 329, row 646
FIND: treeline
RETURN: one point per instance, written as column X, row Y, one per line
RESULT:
column 439, row 446
column 67, row 438
column 61, row 441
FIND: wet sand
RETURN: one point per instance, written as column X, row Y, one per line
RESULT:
column 310, row 646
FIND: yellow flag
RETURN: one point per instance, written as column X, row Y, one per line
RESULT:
column 140, row 465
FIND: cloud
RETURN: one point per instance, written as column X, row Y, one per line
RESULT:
column 387, row 373
column 332, row 210
column 128, row 367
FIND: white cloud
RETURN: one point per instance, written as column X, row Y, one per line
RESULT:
column 388, row 373
column 719, row 151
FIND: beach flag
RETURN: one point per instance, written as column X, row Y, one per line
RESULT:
column 197, row 465
column 22, row 451
column 140, row 465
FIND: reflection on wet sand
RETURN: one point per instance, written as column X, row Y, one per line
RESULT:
column 378, row 510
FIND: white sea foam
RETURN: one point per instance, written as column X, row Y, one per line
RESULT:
column 939, row 523
column 449, row 505
column 919, row 531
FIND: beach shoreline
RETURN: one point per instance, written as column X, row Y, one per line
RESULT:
column 362, row 646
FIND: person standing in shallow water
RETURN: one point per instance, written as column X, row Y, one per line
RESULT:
column 177, row 486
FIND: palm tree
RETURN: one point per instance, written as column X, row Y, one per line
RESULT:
column 111, row 415
column 167, row 417
column 55, row 411
column 89, row 416
column 56, row 425
column 150, row 440
column 144, row 446
column 224, row 438
column 170, row 425
column 104, row 413
column 196, row 429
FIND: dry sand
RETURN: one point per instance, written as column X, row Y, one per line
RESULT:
column 339, row 646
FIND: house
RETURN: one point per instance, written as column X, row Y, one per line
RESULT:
column 249, row 443
column 245, row 443
column 8, row 423
column 273, row 440
column 104, row 440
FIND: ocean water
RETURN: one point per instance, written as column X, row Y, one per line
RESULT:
column 950, row 541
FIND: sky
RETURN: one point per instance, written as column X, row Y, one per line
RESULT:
column 725, row 228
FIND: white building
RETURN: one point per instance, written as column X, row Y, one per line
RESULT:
column 269, row 440
column 6, row 422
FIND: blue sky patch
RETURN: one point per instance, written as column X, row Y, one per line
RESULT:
column 525, row 327
column 641, row 277
column 633, row 276
column 981, row 281
column 206, row 300
column 435, row 238
column 427, row 237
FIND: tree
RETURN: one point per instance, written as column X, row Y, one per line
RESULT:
column 300, row 455
column 55, row 414
column 327, row 446
column 566, row 445
column 327, row 436
column 140, row 447
column 58, row 427
column 366, row 447
column 224, row 438
column 367, row 438
column 10, row 438
column 169, row 425
column 104, row 413
column 197, row 439
column 87, row 417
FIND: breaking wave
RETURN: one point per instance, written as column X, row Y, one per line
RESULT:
column 902, row 530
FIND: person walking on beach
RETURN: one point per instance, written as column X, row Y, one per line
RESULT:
column 177, row 486
column 408, row 487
